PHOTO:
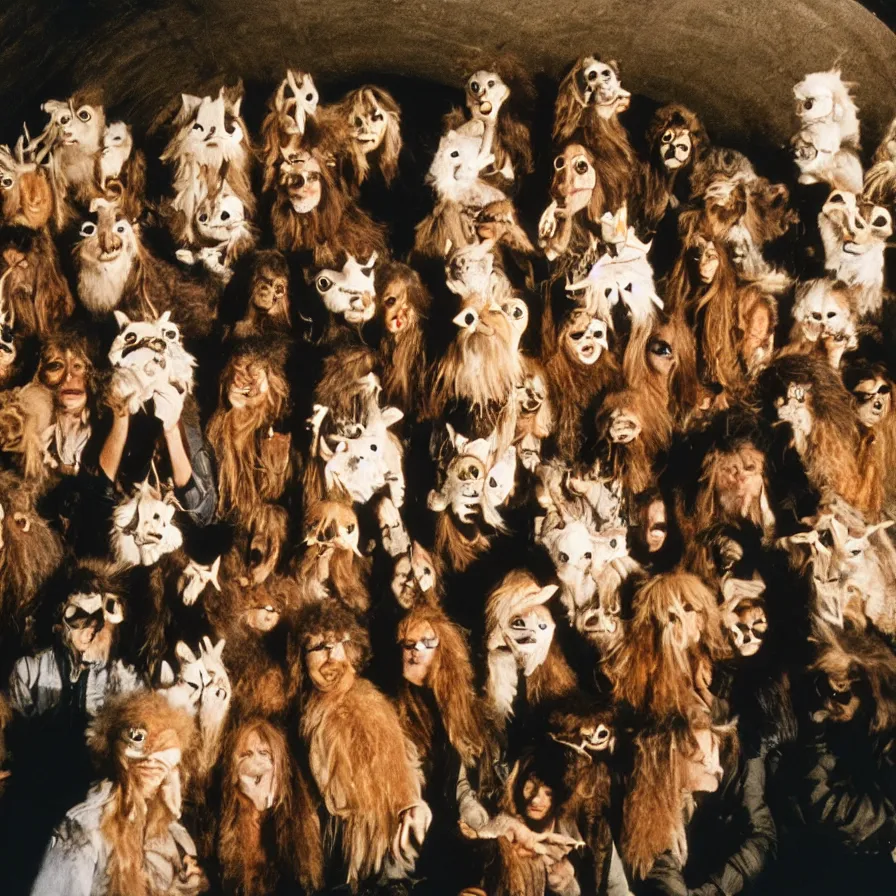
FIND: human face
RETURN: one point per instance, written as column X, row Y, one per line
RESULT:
column 327, row 662
column 419, row 647
column 703, row 770
column 255, row 770
column 707, row 257
column 539, row 800
column 65, row 372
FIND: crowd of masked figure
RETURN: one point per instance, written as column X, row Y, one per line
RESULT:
column 550, row 557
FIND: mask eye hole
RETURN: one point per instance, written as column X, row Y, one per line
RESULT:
column 309, row 97
column 225, row 216
column 559, row 163
column 6, row 182
column 197, row 126
column 350, row 528
column 879, row 221
column 454, row 154
column 581, row 166
column 563, row 557
column 667, row 137
column 137, row 735
column 88, row 228
column 84, row 115
column 130, row 338
column 324, row 283
column 613, row 543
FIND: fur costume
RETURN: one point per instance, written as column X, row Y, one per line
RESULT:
column 30, row 552
column 33, row 288
column 72, row 143
column 88, row 649
column 589, row 101
column 332, row 566
column 126, row 839
column 450, row 679
column 520, row 640
column 499, row 93
column 366, row 770
column 253, row 454
column 312, row 214
column 26, row 414
column 675, row 634
column 27, row 198
column 880, row 180
column 209, row 151
column 677, row 142
column 811, row 398
column 854, row 233
column 268, row 830
column 402, row 309
column 117, row 272
column 122, row 174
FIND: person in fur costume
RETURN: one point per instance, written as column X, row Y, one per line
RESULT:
column 269, row 834
column 126, row 839
column 366, row 769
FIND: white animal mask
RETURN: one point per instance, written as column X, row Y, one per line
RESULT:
column 143, row 527
column 600, row 86
column 209, row 131
column 298, row 98
column 117, row 146
column 148, row 357
column 365, row 463
column 795, row 410
column 351, row 291
column 823, row 97
column 195, row 577
column 821, row 311
column 486, row 93
column 105, row 255
column 455, row 169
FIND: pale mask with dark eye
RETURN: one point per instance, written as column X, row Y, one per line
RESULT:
column 81, row 127
column 218, row 218
column 213, row 134
column 464, row 486
column 574, row 179
column 89, row 623
column 529, row 637
column 65, row 373
column 403, row 582
column 585, row 337
column 255, row 772
column 418, row 648
column 749, row 628
column 675, row 147
column 571, row 549
column 740, row 480
column 303, row 102
column 349, row 292
column 398, row 313
column 486, row 93
column 873, row 399
column 813, row 104
column 368, row 122
column 249, row 385
column 794, row 409
column 601, row 83
column 706, row 256
column 300, row 177
column 822, row 311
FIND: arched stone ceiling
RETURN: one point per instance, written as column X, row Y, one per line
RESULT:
column 734, row 62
